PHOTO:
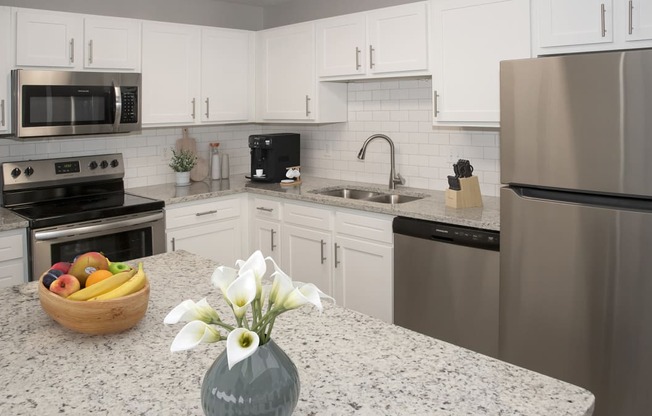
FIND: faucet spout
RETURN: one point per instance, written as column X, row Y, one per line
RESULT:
column 394, row 177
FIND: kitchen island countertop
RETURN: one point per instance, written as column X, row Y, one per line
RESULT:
column 349, row 363
column 432, row 207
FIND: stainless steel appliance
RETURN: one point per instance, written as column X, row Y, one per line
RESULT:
column 65, row 103
column 274, row 153
column 78, row 204
column 446, row 282
column 576, row 223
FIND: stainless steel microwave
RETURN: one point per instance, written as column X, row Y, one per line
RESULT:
column 64, row 103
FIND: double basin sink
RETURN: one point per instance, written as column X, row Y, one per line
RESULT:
column 366, row 195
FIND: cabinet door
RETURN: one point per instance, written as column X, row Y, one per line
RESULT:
column 398, row 39
column 468, row 47
column 307, row 256
column 48, row 39
column 267, row 239
column 638, row 14
column 577, row 22
column 341, row 45
column 5, row 68
column 219, row 241
column 288, row 73
column 111, row 43
column 226, row 74
column 170, row 61
column 364, row 277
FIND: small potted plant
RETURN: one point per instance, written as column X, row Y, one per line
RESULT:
column 182, row 163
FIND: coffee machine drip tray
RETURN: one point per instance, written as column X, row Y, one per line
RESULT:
column 272, row 155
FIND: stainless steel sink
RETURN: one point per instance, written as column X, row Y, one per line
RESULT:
column 350, row 193
column 370, row 196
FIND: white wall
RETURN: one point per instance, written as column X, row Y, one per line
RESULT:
column 399, row 108
column 199, row 12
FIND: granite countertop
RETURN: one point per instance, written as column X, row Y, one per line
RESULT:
column 349, row 363
column 10, row 221
column 432, row 207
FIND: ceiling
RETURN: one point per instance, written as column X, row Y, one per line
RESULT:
column 262, row 3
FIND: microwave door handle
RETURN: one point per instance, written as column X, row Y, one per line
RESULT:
column 117, row 106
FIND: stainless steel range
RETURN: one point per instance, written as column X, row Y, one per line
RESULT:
column 78, row 204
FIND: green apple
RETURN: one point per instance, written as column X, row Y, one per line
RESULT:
column 116, row 267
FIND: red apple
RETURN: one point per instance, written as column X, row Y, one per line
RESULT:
column 64, row 266
column 65, row 285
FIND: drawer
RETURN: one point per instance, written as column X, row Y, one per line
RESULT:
column 267, row 208
column 308, row 216
column 202, row 213
column 11, row 247
column 12, row 273
column 370, row 227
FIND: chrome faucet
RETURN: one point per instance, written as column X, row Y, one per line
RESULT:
column 394, row 177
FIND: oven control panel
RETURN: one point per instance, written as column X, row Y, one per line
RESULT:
column 65, row 170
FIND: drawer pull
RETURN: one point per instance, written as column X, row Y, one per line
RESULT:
column 172, row 243
column 265, row 209
column 272, row 236
column 213, row 211
column 336, row 261
column 323, row 259
column 603, row 26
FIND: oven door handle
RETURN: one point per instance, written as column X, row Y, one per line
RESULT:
column 94, row 228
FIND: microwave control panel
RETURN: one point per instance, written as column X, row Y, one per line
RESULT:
column 129, row 105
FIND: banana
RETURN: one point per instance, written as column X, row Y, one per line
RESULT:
column 103, row 286
column 133, row 285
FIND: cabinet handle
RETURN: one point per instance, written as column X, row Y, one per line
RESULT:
column 602, row 20
column 631, row 7
column 213, row 211
column 207, row 106
column 90, row 51
column 307, row 105
column 272, row 236
column 173, row 244
column 323, row 259
column 72, row 50
column 371, row 57
column 357, row 58
column 435, row 106
column 265, row 209
column 193, row 108
column 335, row 255
column 2, row 110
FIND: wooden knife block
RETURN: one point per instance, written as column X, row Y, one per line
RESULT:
column 467, row 197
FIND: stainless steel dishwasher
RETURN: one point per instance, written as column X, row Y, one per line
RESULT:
column 446, row 282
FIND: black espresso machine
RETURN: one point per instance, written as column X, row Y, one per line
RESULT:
column 272, row 155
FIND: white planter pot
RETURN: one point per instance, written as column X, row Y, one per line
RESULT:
column 182, row 178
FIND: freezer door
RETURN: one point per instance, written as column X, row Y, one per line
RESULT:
column 578, row 122
column 576, row 297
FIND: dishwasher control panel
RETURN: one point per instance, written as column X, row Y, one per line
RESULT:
column 448, row 233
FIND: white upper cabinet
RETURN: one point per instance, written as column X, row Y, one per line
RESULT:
column 77, row 42
column 470, row 38
column 392, row 41
column 289, row 89
column 111, row 43
column 5, row 68
column 170, row 66
column 48, row 39
column 227, row 74
column 561, row 26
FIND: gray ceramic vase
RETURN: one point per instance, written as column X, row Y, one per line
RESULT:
column 266, row 383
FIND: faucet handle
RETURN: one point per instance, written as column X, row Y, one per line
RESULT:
column 400, row 180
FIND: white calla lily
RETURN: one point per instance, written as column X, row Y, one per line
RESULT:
column 242, row 292
column 281, row 287
column 256, row 264
column 223, row 277
column 307, row 293
column 188, row 310
column 193, row 334
column 240, row 344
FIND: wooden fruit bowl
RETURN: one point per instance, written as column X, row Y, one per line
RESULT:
column 98, row 316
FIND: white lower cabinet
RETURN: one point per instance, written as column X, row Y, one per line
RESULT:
column 13, row 261
column 347, row 254
column 212, row 228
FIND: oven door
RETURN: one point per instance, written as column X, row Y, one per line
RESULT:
column 119, row 239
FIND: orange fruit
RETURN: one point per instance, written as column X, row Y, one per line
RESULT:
column 97, row 276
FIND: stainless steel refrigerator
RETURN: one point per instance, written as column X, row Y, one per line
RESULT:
column 576, row 223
